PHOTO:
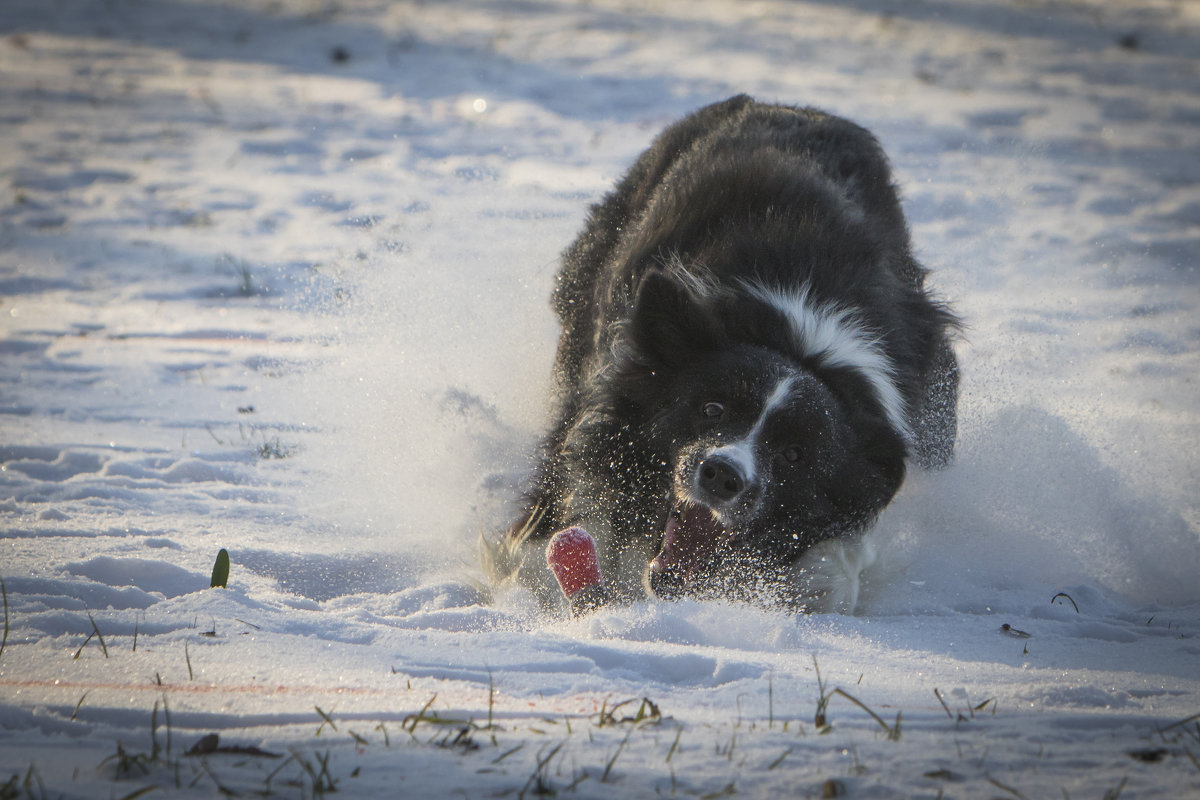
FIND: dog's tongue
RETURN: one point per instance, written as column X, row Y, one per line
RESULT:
column 689, row 543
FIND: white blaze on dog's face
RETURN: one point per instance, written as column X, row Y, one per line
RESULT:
column 735, row 464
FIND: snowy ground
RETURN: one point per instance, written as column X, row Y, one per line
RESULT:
column 273, row 278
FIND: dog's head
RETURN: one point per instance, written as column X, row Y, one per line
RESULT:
column 772, row 449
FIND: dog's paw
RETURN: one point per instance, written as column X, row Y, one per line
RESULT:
column 828, row 578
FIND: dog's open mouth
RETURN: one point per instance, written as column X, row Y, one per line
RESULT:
column 691, row 542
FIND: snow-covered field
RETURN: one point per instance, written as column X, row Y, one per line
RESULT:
column 273, row 278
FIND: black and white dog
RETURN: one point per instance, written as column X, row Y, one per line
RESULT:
column 748, row 358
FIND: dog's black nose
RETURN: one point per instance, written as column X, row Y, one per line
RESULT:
column 720, row 478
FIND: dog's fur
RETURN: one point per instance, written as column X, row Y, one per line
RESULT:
column 748, row 357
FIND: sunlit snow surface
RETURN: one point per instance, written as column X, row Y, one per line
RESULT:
column 273, row 278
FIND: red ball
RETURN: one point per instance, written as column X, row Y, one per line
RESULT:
column 571, row 554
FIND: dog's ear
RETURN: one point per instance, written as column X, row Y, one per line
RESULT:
column 670, row 322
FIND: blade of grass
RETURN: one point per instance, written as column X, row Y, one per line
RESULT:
column 4, row 592
column 537, row 779
column 938, row 695
column 75, row 713
column 419, row 716
column 99, row 636
column 1183, row 721
column 779, row 760
column 893, row 733
column 79, row 652
column 1005, row 788
column 491, row 697
column 608, row 767
column 507, row 753
column 167, row 722
column 154, row 733
column 819, row 719
column 1064, row 594
column 770, row 700
column 674, row 744
column 220, row 573
column 325, row 720
column 139, row 792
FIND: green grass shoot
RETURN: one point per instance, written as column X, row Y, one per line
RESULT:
column 220, row 573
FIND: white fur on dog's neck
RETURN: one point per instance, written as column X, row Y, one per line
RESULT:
column 829, row 575
column 836, row 337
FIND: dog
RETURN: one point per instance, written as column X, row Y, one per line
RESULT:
column 748, row 359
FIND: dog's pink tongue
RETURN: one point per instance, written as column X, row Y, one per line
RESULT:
column 689, row 542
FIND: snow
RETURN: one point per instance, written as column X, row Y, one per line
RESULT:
column 274, row 278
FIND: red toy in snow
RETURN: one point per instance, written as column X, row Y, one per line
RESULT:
column 571, row 555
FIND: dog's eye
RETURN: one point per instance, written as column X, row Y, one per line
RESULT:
column 713, row 410
column 791, row 454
